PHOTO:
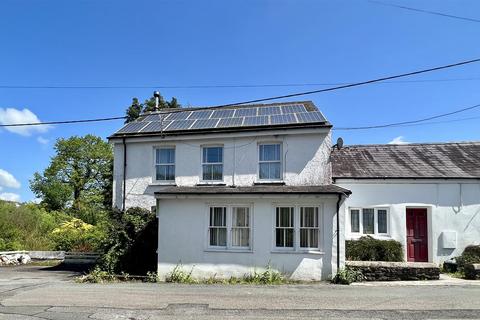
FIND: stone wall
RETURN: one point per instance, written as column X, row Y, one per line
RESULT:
column 395, row 271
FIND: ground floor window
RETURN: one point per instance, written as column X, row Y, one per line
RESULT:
column 369, row 221
column 297, row 228
column 229, row 227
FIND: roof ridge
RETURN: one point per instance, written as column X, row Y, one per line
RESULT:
column 409, row 144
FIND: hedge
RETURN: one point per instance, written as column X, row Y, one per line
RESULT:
column 470, row 255
column 370, row 249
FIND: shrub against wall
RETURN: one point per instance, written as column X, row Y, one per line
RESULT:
column 370, row 249
column 471, row 254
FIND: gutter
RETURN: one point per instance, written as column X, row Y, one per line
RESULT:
column 338, row 231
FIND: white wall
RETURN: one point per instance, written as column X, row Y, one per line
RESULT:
column 183, row 239
column 305, row 161
column 451, row 206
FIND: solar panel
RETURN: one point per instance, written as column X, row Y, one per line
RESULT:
column 255, row 121
column 156, row 126
column 293, row 108
column 283, row 119
column 204, row 123
column 151, row 117
column 132, row 127
column 246, row 112
column 310, row 117
column 178, row 116
column 180, row 125
column 204, row 114
column 228, row 113
column 230, row 122
column 268, row 111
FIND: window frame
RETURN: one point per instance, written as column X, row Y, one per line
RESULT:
column 280, row 144
column 229, row 226
column 296, row 234
column 202, row 163
column 155, row 164
column 361, row 233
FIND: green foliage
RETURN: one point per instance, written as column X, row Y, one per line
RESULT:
column 370, row 249
column 77, row 236
column 97, row 276
column 269, row 276
column 137, row 108
column 347, row 276
column 178, row 275
column 78, row 178
column 470, row 255
column 131, row 242
column 151, row 277
column 27, row 227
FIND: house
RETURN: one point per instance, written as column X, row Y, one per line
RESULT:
column 235, row 188
column 426, row 196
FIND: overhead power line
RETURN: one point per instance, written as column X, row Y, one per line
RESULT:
column 213, row 86
column 425, row 11
column 362, row 83
column 396, row 124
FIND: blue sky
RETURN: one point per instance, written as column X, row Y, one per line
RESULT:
column 154, row 43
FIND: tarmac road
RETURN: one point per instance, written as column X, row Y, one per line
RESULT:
column 37, row 293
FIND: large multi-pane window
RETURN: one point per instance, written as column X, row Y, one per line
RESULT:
column 297, row 228
column 269, row 161
column 165, row 164
column 229, row 227
column 369, row 220
column 212, row 163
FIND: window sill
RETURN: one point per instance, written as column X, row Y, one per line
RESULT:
column 317, row 252
column 229, row 250
column 161, row 183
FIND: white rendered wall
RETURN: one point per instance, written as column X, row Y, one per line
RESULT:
column 183, row 236
column 305, row 161
column 451, row 206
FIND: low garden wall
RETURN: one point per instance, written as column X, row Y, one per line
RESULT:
column 395, row 271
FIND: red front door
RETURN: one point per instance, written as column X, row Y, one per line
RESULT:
column 417, row 240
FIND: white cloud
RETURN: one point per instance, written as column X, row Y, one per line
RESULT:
column 16, row 116
column 43, row 140
column 8, row 196
column 399, row 140
column 8, row 180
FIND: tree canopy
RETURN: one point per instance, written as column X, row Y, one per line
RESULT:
column 78, row 177
column 137, row 108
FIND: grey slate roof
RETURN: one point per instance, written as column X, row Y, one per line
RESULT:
column 418, row 161
column 258, row 189
column 273, row 116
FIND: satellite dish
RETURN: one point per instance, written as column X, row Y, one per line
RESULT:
column 339, row 143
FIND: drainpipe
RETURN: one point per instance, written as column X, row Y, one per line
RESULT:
column 338, row 231
column 124, row 174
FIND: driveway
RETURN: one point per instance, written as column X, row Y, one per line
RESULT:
column 39, row 293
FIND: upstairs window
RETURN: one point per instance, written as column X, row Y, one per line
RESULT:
column 369, row 221
column 212, row 163
column 165, row 164
column 269, row 161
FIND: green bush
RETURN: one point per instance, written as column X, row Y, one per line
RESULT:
column 131, row 242
column 27, row 227
column 178, row 275
column 370, row 249
column 471, row 254
column 347, row 276
column 78, row 236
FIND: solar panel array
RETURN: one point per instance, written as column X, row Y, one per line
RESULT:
column 240, row 117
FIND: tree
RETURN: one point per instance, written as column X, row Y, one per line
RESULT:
column 136, row 108
column 78, row 177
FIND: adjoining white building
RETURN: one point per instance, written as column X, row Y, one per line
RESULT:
column 426, row 196
column 235, row 189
